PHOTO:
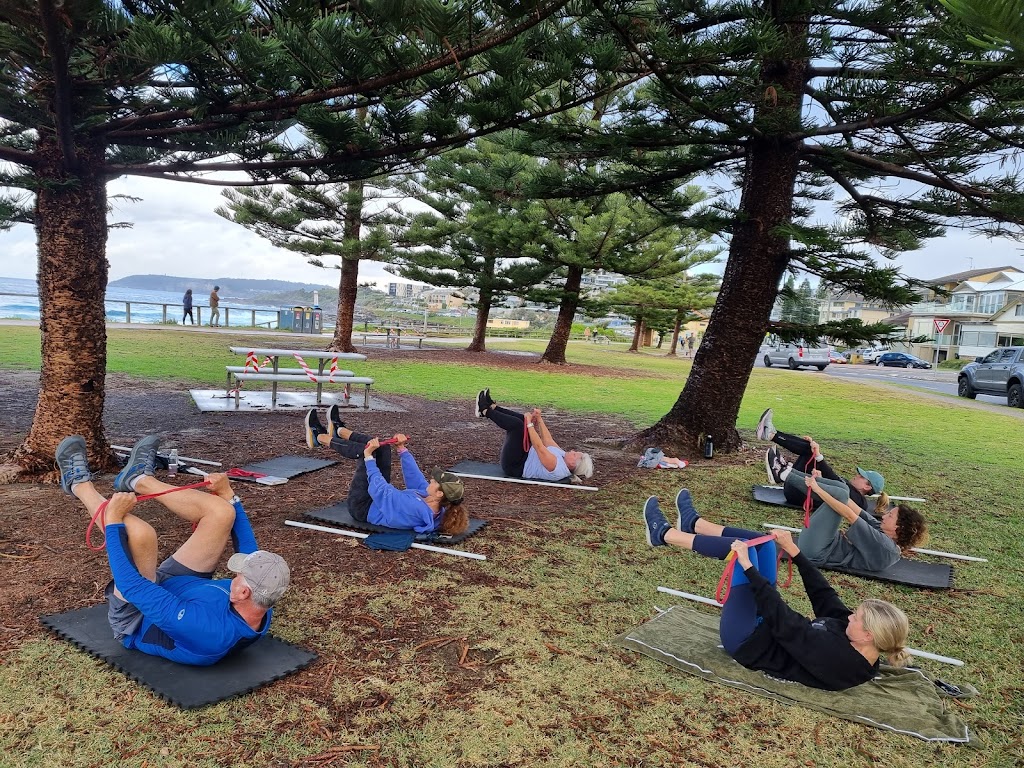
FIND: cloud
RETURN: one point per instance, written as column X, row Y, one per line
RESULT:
column 176, row 232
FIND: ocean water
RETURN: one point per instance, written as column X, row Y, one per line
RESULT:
column 19, row 301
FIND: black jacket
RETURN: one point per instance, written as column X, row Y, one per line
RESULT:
column 790, row 646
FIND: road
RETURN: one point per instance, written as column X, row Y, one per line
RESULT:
column 943, row 382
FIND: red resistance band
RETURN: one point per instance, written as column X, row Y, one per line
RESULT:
column 809, row 500
column 102, row 508
column 392, row 441
column 725, row 583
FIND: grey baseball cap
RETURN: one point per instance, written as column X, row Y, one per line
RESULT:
column 266, row 573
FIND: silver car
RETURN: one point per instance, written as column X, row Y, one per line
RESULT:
column 796, row 355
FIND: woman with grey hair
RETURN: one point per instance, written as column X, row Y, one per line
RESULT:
column 529, row 451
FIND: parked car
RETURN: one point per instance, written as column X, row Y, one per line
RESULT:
column 1000, row 372
column 796, row 355
column 901, row 360
column 838, row 359
column 871, row 354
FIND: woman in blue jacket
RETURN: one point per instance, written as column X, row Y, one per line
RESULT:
column 423, row 506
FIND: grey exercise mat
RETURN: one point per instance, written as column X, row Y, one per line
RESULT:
column 288, row 466
column 188, row 687
column 494, row 472
column 338, row 514
column 771, row 494
column 912, row 573
column 899, row 700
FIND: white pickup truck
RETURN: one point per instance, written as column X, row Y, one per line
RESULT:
column 796, row 355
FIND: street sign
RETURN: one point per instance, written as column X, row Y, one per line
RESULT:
column 940, row 324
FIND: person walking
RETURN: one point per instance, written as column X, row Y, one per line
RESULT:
column 186, row 300
column 690, row 340
column 215, row 307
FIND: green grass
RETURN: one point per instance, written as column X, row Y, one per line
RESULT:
column 544, row 686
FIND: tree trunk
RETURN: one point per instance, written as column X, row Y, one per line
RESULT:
column 555, row 352
column 348, row 287
column 483, row 311
column 758, row 255
column 675, row 334
column 71, row 227
column 637, row 334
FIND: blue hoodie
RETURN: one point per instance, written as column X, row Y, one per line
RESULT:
column 187, row 619
column 400, row 509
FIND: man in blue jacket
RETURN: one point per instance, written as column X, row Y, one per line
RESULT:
column 176, row 609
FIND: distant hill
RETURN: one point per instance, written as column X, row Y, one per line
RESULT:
column 235, row 287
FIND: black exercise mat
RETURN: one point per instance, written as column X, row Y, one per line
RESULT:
column 338, row 514
column 770, row 494
column 912, row 573
column 288, row 466
column 495, row 472
column 188, row 687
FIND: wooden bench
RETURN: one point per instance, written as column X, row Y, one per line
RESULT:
column 232, row 369
column 348, row 381
column 271, row 371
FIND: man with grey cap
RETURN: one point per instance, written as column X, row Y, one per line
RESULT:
column 529, row 450
column 176, row 609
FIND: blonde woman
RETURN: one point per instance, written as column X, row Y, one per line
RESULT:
column 837, row 649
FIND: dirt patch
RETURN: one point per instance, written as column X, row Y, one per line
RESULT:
column 49, row 569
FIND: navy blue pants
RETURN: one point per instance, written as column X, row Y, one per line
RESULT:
column 359, row 499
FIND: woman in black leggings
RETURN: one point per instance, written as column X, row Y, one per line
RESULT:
column 529, row 451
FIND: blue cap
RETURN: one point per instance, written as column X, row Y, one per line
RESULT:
column 876, row 481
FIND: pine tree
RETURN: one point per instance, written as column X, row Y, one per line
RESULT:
column 479, row 233
column 211, row 91
column 320, row 221
column 873, row 109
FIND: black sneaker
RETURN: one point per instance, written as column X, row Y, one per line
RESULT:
column 655, row 524
column 483, row 403
column 334, row 422
column 72, row 463
column 313, row 428
column 777, row 466
column 141, row 461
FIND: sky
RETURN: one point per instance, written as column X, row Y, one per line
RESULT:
column 176, row 232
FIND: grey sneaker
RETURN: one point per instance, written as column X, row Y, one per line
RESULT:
column 141, row 461
column 313, row 428
column 334, row 421
column 765, row 428
column 72, row 463
column 655, row 524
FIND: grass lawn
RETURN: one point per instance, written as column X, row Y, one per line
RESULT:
column 547, row 687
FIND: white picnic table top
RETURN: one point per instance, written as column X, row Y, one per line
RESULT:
column 315, row 354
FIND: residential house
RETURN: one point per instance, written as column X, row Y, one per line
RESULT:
column 981, row 311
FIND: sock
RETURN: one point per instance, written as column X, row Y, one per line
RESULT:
column 135, row 481
column 688, row 520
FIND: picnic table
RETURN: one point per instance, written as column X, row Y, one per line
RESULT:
column 264, row 364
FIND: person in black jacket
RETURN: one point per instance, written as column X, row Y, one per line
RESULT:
column 836, row 650
column 790, row 474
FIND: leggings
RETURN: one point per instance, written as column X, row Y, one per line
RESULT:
column 188, row 314
column 513, row 457
column 359, row 499
column 739, row 615
column 818, row 537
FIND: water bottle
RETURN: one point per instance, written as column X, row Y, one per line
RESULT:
column 709, row 447
column 172, row 462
